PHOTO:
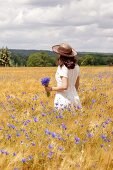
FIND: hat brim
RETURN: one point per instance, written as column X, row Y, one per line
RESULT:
column 56, row 47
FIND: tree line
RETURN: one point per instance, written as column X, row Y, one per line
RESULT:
column 48, row 59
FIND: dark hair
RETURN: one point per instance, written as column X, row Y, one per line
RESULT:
column 69, row 62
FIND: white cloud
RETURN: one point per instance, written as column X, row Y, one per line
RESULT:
column 38, row 24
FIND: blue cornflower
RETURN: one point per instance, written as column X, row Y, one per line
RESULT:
column 79, row 107
column 59, row 116
column 50, row 146
column 45, row 81
column 33, row 108
column 24, row 160
column 47, row 132
column 11, row 126
column 35, row 119
column 12, row 116
column 2, row 151
column 18, row 134
column 89, row 135
column 64, row 126
column 8, row 136
column 103, row 136
column 33, row 144
column 93, row 100
column 77, row 140
column 43, row 114
column 53, row 134
column 30, row 157
column 50, row 154
column 26, row 122
column 14, row 154
column 60, row 148
column 6, row 153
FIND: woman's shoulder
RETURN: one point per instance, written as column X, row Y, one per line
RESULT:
column 62, row 67
column 77, row 66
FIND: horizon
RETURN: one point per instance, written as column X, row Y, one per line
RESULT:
column 53, row 52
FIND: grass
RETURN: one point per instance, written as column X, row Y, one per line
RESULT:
column 33, row 136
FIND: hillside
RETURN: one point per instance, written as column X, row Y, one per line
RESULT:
column 26, row 53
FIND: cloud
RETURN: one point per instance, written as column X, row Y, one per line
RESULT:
column 43, row 3
column 38, row 24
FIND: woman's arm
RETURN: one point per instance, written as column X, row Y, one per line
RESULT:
column 61, row 88
column 77, row 83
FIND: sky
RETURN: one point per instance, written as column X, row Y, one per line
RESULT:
column 87, row 25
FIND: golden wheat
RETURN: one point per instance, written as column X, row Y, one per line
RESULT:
column 36, row 137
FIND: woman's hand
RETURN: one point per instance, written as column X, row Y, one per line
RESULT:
column 48, row 89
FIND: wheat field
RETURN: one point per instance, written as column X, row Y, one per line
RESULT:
column 33, row 136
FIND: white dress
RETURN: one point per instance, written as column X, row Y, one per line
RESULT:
column 70, row 96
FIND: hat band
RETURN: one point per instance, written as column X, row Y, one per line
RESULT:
column 64, row 52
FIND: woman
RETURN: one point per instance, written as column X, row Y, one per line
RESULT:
column 67, row 77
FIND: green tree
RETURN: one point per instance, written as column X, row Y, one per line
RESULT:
column 109, row 60
column 88, row 60
column 39, row 59
column 5, row 57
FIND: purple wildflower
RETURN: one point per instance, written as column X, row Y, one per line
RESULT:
column 18, row 134
column 35, row 119
column 6, row 153
column 26, row 122
column 60, row 148
column 14, row 154
column 50, row 146
column 43, row 114
column 33, row 144
column 30, row 157
column 50, row 154
column 103, row 136
column 89, row 135
column 12, row 116
column 11, row 126
column 53, row 134
column 64, row 126
column 47, row 132
column 2, row 151
column 8, row 136
column 79, row 107
column 59, row 116
column 24, row 160
column 45, row 81
column 77, row 140
column 33, row 108
column 1, row 128
column 93, row 100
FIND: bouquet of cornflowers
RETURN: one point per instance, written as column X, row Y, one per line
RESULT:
column 45, row 82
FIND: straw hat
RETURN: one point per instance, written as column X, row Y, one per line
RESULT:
column 64, row 49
